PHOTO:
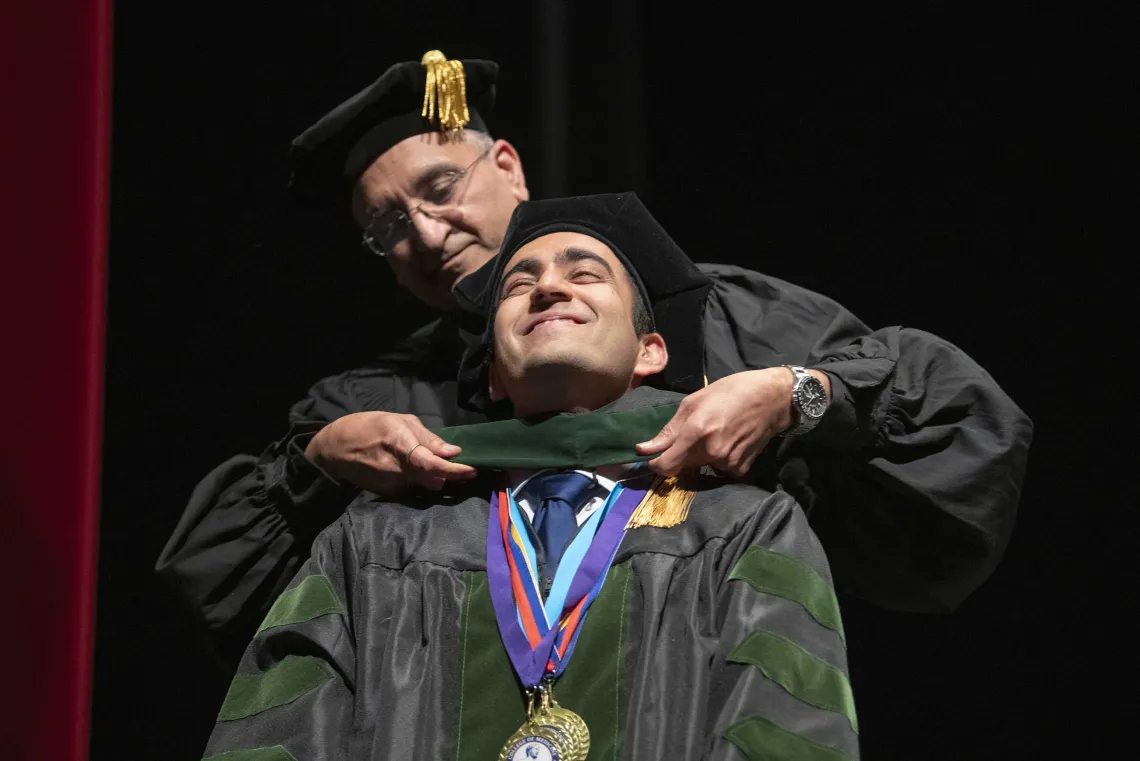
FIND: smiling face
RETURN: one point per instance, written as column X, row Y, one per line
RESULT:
column 459, row 193
column 564, row 330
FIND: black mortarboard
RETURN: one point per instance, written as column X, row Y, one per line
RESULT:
column 670, row 283
column 410, row 98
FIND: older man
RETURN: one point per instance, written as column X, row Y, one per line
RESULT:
column 567, row 605
column 919, row 445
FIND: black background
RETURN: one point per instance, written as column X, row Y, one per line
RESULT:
column 929, row 169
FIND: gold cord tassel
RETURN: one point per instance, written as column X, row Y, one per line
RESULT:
column 445, row 92
column 666, row 503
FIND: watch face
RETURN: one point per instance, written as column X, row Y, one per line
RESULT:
column 812, row 397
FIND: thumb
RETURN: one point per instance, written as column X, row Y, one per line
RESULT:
column 661, row 441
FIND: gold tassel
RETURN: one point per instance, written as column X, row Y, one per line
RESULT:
column 666, row 503
column 445, row 92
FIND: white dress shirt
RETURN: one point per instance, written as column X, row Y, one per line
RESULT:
column 605, row 479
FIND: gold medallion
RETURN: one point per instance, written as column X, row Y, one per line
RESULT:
column 572, row 724
column 551, row 733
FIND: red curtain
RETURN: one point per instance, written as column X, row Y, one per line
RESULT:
column 54, row 151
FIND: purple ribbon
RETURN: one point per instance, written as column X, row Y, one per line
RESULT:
column 531, row 664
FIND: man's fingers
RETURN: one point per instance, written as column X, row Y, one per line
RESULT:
column 431, row 441
column 424, row 463
column 737, row 468
column 368, row 478
column 668, row 464
column 676, row 457
column 664, row 438
column 661, row 469
column 738, row 462
column 750, row 456
column 675, row 428
column 428, row 482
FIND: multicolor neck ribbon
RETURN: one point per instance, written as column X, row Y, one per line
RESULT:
column 540, row 638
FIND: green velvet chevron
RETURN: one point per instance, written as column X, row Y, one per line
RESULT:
column 313, row 597
column 791, row 578
column 804, row 675
column 285, row 682
column 761, row 740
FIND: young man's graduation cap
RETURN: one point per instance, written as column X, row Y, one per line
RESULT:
column 411, row 98
column 670, row 284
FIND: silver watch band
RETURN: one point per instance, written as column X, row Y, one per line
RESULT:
column 803, row 423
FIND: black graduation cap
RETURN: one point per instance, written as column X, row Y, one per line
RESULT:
column 670, row 283
column 410, row 98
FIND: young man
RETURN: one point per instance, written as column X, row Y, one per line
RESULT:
column 567, row 603
column 905, row 452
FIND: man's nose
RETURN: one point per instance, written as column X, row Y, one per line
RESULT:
column 551, row 285
column 430, row 232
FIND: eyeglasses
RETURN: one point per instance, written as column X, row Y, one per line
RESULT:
column 388, row 229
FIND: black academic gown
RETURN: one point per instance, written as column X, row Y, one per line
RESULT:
column 717, row 638
column 911, row 480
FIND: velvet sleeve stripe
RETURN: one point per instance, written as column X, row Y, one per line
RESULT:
column 805, row 676
column 274, row 753
column 793, row 579
column 283, row 683
column 761, row 740
column 312, row 598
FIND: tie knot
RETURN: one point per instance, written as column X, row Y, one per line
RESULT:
column 568, row 486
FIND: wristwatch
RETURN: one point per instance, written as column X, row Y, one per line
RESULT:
column 809, row 398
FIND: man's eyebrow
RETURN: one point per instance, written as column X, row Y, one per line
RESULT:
column 572, row 254
column 530, row 266
column 533, row 267
column 420, row 185
column 427, row 177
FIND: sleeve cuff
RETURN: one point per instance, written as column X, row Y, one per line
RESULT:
column 840, row 427
column 308, row 497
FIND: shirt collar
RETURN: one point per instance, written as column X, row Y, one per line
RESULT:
column 605, row 476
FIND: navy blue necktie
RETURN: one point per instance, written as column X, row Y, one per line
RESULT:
column 559, row 495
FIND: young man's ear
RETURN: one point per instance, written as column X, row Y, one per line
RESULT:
column 495, row 382
column 652, row 356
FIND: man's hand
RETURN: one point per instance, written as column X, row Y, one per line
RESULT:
column 385, row 453
column 728, row 423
